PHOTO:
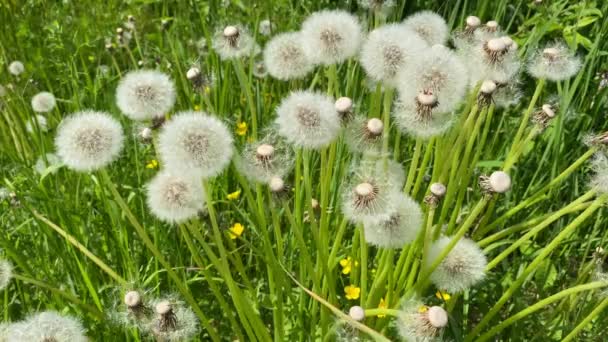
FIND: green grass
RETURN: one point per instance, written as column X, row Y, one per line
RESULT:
column 78, row 241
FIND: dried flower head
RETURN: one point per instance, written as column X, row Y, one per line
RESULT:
column 174, row 321
column 174, row 198
column 16, row 68
column 308, row 119
column 47, row 326
column 401, row 226
column 357, row 313
column 420, row 323
column 369, row 195
column 6, row 273
column 284, row 57
column 88, row 140
column 331, row 36
column 196, row 143
column 43, row 102
column 463, row 267
column 363, row 135
column 389, row 49
column 555, row 62
column 422, row 116
column 430, row 26
column 234, row 41
column 497, row 182
column 37, row 123
column 266, row 158
column 145, row 94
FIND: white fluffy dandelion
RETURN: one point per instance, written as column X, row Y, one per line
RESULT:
column 265, row 27
column 430, row 26
column 6, row 273
column 234, row 41
column 363, row 135
column 174, row 321
column 196, row 143
column 47, row 326
column 43, row 102
column 89, row 140
column 174, row 198
column 394, row 172
column 420, row 323
column 16, row 68
column 555, row 62
column 422, row 117
column 308, row 119
column 493, row 59
column 331, row 36
column 266, row 158
column 461, row 269
column 383, row 7
column 599, row 180
column 400, row 227
column 389, row 49
column 285, row 58
column 38, row 122
column 145, row 94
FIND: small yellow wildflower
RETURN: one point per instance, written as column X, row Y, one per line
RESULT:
column 382, row 305
column 442, row 295
column 347, row 265
column 236, row 230
column 234, row 195
column 197, row 108
column 152, row 164
column 423, row 308
column 241, row 128
column 352, row 292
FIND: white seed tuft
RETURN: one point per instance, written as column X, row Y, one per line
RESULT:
column 438, row 189
column 47, row 326
column 6, row 273
column 401, row 225
column 145, row 94
column 555, row 62
column 16, row 68
column 430, row 26
column 174, row 198
column 43, row 102
column 437, row 316
column 285, row 58
column 357, row 313
column 500, row 182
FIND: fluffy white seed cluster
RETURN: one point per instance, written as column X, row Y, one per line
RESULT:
column 430, row 26
column 420, row 323
column 195, row 143
column 50, row 163
column 555, row 62
column 16, row 68
column 6, row 273
column 462, row 268
column 265, row 159
column 233, row 42
column 599, row 180
column 145, row 94
column 331, row 36
column 308, row 120
column 38, row 122
column 43, row 102
column 285, row 58
column 47, row 326
column 89, row 140
column 173, row 321
column 399, row 228
column 363, row 135
column 265, row 27
column 173, row 198
column 388, row 49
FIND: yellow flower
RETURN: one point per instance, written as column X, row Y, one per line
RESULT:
column 382, row 305
column 442, row 295
column 241, row 128
column 197, row 108
column 152, row 164
column 207, row 90
column 347, row 265
column 352, row 292
column 234, row 195
column 423, row 308
column 236, row 230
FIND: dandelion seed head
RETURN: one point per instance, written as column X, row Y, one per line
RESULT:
column 507, row 95
column 88, row 140
column 265, row 27
column 461, row 269
column 284, row 57
column 132, row 299
column 6, row 273
column 174, row 198
column 196, row 142
column 276, row 184
column 368, row 194
column 492, row 59
column 400, row 226
column 344, row 105
column 420, row 323
column 421, row 117
column 473, row 21
column 331, row 36
column 357, row 313
column 437, row 317
column 500, row 181
column 555, row 62
column 38, row 122
column 145, row 94
column 52, row 162
column 174, row 321
column 234, row 41
column 438, row 189
column 47, row 326
column 43, row 102
column 307, row 119
column 16, row 68
column 488, row 87
column 193, row 73
column 364, row 135
column 266, row 158
column 430, row 26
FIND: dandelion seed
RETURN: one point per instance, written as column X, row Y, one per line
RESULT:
column 285, row 58
column 88, row 140
column 461, row 269
column 364, row 135
column 389, row 49
column 38, row 122
column 196, row 143
column 265, row 27
column 357, row 313
column 174, row 198
column 352, row 292
column 330, row 37
column 52, row 164
column 347, row 265
column 145, row 94
column 259, row 70
column 555, row 62
column 16, row 68
column 6, row 273
column 308, row 120
column 233, row 42
column 401, row 226
column 266, row 158
column 421, row 323
column 430, row 26
column 497, row 182
column 493, row 60
column 47, row 326
column 236, row 230
column 43, row 102
column 174, row 322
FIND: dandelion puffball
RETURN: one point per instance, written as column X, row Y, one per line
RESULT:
column 174, row 198
column 421, row 323
column 195, row 143
column 463, row 267
column 47, row 326
column 555, row 62
column 308, row 119
column 368, row 195
column 6, row 273
column 331, row 36
column 430, row 26
column 16, row 68
column 174, row 321
column 388, row 49
column 88, row 140
column 421, row 117
column 43, row 102
column 363, row 135
column 145, row 94
column 357, row 313
column 401, row 226
column 233, row 41
column 284, row 57
column 266, row 158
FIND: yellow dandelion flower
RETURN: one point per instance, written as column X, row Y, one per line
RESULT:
column 241, row 128
column 347, row 265
column 197, row 108
column 382, row 305
column 236, row 230
column 442, row 295
column 352, row 292
column 233, row 196
column 152, row 164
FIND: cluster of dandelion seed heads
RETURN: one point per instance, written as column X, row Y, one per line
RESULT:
column 234, row 41
column 145, row 94
column 89, row 140
column 285, row 58
column 401, row 226
column 174, row 198
column 47, row 326
column 462, row 268
column 195, row 143
column 43, row 102
column 429, row 26
column 555, row 62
